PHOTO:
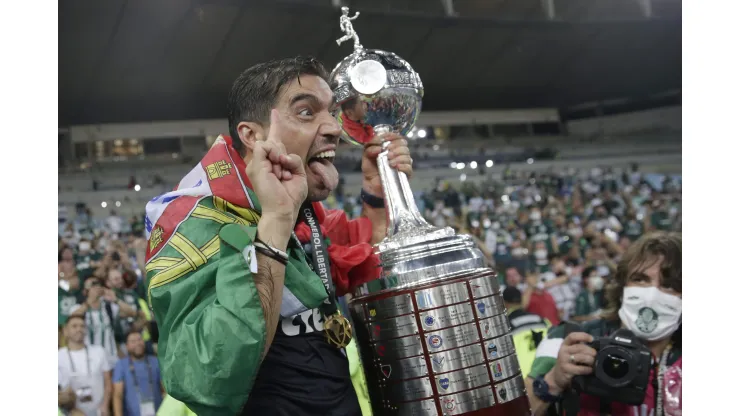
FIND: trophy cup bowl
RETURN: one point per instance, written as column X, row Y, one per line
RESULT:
column 432, row 331
column 386, row 86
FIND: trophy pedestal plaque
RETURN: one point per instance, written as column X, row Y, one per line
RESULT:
column 432, row 331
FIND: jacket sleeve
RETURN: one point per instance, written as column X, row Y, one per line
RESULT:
column 212, row 329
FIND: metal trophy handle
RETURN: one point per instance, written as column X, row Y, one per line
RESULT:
column 402, row 212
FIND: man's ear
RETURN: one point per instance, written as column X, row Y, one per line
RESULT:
column 250, row 132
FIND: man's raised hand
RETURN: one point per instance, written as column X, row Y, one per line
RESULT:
column 278, row 178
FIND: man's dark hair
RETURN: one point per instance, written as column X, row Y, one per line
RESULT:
column 587, row 272
column 256, row 90
column 129, row 333
column 349, row 104
column 512, row 295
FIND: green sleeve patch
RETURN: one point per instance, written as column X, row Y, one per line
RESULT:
column 541, row 366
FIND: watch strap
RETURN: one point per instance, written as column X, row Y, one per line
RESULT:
column 372, row 200
column 542, row 390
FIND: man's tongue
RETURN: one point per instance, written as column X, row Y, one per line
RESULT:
column 326, row 171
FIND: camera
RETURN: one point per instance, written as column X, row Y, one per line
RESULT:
column 621, row 369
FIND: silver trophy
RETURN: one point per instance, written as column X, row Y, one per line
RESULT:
column 432, row 331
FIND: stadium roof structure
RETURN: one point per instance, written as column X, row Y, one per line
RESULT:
column 131, row 61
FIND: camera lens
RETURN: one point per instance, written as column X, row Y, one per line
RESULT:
column 615, row 366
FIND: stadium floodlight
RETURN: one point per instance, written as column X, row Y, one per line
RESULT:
column 473, row 164
column 103, row 204
column 489, row 163
column 137, row 187
column 422, row 133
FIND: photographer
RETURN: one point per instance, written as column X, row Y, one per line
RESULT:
column 644, row 298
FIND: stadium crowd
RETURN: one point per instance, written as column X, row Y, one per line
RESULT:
column 554, row 238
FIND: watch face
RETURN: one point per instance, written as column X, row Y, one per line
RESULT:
column 542, row 390
column 540, row 386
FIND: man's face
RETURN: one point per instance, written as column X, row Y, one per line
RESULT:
column 67, row 254
column 624, row 242
column 310, row 131
column 358, row 111
column 93, row 288
column 75, row 330
column 135, row 345
column 115, row 279
column 513, row 277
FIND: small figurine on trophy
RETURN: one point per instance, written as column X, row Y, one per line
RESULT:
column 345, row 23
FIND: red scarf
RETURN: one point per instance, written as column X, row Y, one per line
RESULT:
column 353, row 261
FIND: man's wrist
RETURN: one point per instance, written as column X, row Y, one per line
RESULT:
column 553, row 387
column 275, row 230
column 372, row 187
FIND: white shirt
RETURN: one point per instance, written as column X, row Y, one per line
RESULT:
column 100, row 330
column 115, row 224
column 79, row 376
column 563, row 295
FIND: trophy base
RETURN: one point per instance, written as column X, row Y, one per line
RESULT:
column 441, row 348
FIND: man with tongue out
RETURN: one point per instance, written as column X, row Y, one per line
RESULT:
column 231, row 277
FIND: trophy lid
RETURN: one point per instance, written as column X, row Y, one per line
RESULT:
column 390, row 89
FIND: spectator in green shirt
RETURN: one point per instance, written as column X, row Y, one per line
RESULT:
column 660, row 219
column 590, row 301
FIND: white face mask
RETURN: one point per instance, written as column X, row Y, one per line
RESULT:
column 84, row 246
column 540, row 254
column 535, row 216
column 649, row 313
column 596, row 282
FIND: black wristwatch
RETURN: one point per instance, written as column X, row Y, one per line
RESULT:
column 372, row 200
column 542, row 390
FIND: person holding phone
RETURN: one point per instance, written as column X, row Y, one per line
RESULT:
column 100, row 310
